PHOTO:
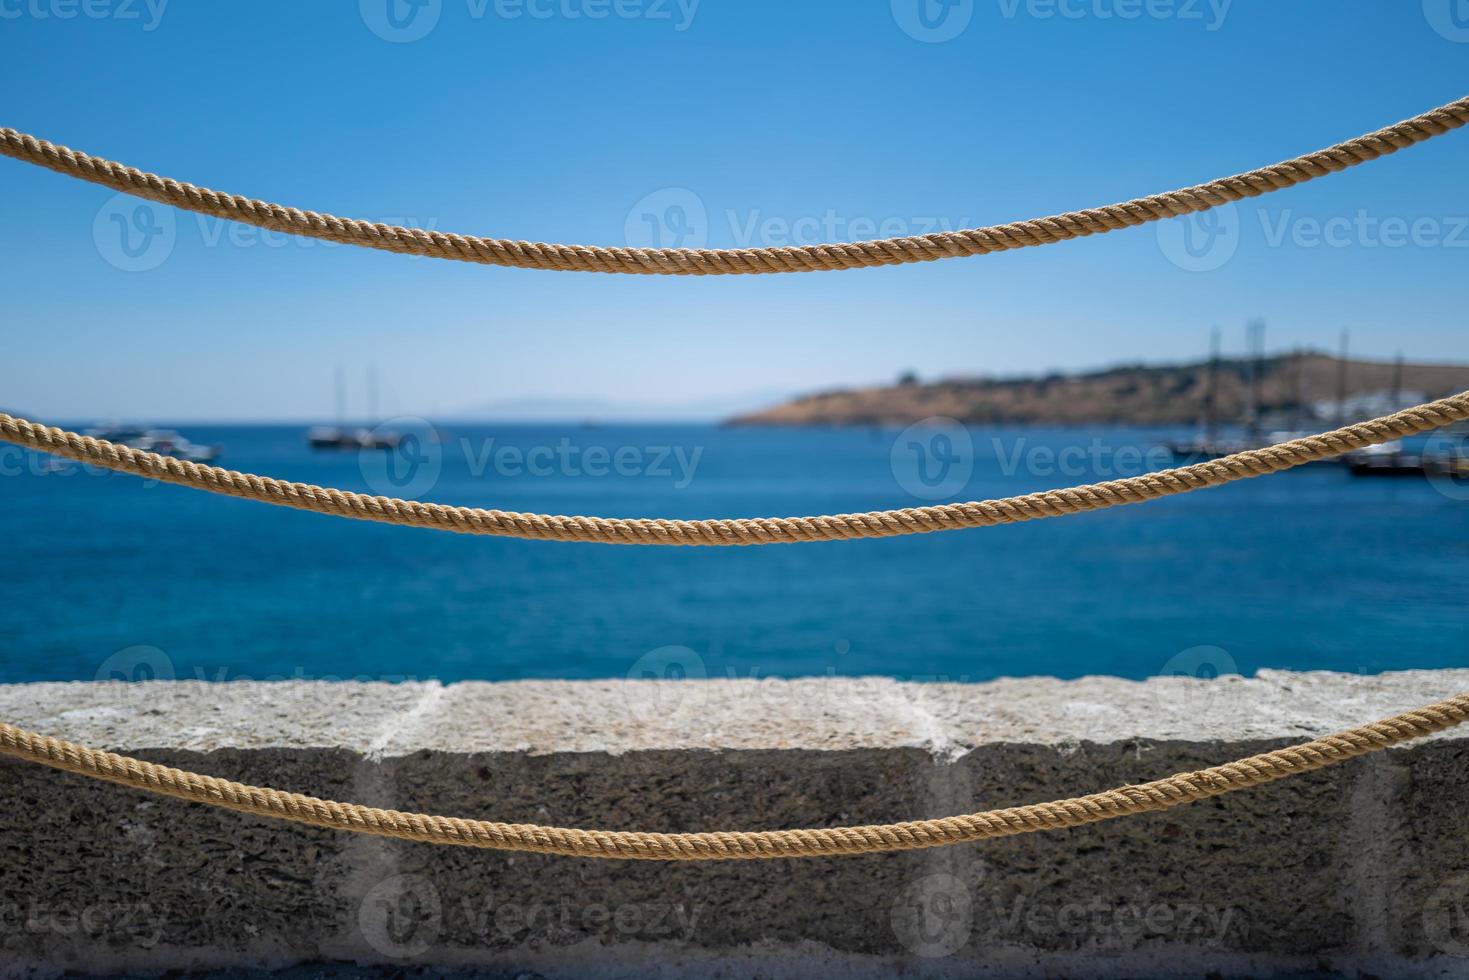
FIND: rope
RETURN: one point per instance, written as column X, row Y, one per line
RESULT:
column 738, row 531
column 631, row 845
column 735, row 261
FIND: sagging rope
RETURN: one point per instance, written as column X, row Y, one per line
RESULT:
column 736, row 531
column 736, row 261
column 742, row 845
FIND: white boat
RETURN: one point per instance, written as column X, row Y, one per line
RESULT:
column 167, row 442
column 164, row 442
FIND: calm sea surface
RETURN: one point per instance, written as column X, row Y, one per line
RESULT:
column 106, row 575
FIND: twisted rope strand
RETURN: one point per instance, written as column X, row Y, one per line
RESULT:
column 1160, row 794
column 735, row 261
column 737, row 531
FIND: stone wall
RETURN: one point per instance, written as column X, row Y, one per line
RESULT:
column 1362, row 868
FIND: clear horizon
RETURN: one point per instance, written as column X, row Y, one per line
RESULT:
column 572, row 411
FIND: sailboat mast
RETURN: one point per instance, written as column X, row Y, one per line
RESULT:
column 1256, row 335
column 1211, row 392
column 1298, row 403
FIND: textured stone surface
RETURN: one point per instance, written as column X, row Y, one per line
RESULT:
column 1362, row 867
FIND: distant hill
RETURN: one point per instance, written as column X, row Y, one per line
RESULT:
column 1292, row 386
column 552, row 409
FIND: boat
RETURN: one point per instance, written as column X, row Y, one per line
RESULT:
column 115, row 432
column 1204, row 448
column 167, row 442
column 1390, row 459
column 1208, row 444
column 329, row 437
column 164, row 442
column 339, row 437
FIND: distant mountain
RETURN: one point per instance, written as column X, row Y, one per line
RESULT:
column 1292, row 386
column 711, row 409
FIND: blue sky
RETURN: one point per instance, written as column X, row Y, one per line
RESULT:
column 541, row 119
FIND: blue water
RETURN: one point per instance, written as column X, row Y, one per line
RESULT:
column 106, row 575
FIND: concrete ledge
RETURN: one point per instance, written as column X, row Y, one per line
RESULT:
column 1361, row 868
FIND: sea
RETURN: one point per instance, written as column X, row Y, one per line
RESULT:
column 111, row 576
